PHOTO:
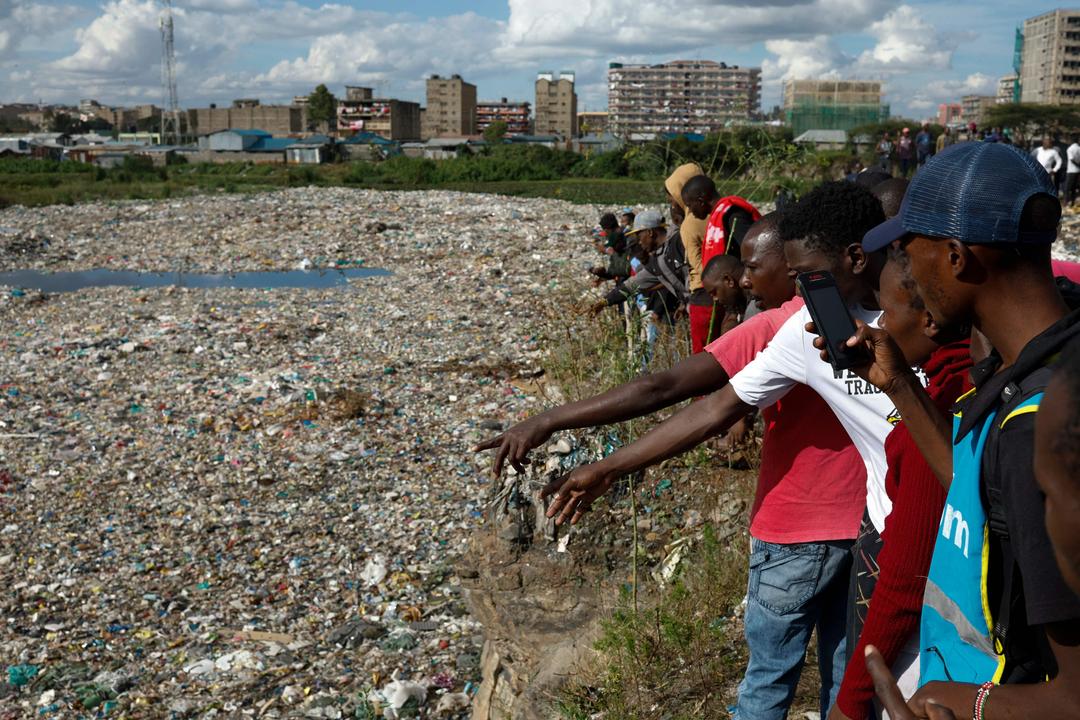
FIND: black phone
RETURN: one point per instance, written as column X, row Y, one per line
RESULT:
column 831, row 316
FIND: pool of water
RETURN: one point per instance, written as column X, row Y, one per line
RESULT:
column 58, row 282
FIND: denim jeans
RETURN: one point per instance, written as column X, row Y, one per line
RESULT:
column 793, row 589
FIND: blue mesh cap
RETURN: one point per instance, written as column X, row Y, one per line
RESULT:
column 972, row 191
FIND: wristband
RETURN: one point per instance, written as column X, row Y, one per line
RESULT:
column 980, row 700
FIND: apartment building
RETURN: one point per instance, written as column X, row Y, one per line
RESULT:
column 592, row 122
column 681, row 96
column 451, row 108
column 1050, row 58
column 516, row 115
column 1007, row 88
column 556, row 105
column 976, row 108
column 248, row 114
column 390, row 118
column 950, row 114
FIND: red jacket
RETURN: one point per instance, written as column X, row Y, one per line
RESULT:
column 908, row 539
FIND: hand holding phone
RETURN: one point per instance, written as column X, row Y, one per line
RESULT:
column 831, row 318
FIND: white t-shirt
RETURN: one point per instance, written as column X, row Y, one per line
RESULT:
column 865, row 412
column 1074, row 158
column 1049, row 158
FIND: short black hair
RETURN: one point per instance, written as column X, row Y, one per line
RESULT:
column 629, row 215
column 1066, row 441
column 831, row 217
column 608, row 221
column 870, row 178
column 722, row 265
column 902, row 261
column 891, row 194
column 699, row 185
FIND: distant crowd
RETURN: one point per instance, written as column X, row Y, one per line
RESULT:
column 919, row 511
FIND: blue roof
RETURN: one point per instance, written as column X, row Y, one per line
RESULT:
column 272, row 144
column 248, row 133
column 692, row 137
column 367, row 138
column 532, row 138
column 315, row 140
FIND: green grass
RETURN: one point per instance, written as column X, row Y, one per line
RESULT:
column 39, row 182
column 675, row 651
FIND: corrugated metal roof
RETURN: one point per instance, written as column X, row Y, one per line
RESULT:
column 823, row 136
column 245, row 133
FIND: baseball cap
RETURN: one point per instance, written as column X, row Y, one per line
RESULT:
column 974, row 192
column 647, row 220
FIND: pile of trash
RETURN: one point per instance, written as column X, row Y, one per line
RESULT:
column 217, row 502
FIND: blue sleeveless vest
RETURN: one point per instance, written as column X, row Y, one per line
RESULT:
column 956, row 641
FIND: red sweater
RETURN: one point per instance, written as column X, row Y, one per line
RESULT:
column 908, row 539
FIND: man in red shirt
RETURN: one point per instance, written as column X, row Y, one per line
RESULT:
column 810, row 495
column 729, row 218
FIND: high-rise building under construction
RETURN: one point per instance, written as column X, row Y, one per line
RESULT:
column 682, row 96
column 832, row 104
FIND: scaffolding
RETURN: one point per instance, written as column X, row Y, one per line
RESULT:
column 817, row 116
column 1018, row 62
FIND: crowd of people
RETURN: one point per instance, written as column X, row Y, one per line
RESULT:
column 919, row 510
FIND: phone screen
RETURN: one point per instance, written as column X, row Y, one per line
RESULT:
column 831, row 316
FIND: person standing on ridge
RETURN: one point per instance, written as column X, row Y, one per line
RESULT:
column 728, row 220
column 692, row 232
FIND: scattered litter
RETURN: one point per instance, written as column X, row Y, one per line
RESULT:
column 250, row 500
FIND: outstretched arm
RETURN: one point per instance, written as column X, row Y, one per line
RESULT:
column 697, row 375
column 575, row 493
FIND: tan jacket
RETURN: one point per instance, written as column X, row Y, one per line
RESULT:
column 692, row 229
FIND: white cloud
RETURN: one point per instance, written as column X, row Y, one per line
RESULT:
column 603, row 27
column 375, row 52
column 905, row 41
column 274, row 49
column 927, row 99
column 975, row 84
column 817, row 57
column 21, row 20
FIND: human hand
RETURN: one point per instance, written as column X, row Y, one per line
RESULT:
column 515, row 444
column 597, row 307
column 943, row 695
column 886, row 366
column 573, row 494
column 890, row 697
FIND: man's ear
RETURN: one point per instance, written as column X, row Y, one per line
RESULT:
column 930, row 328
column 963, row 263
column 856, row 257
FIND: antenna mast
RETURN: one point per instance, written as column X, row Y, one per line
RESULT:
column 170, row 106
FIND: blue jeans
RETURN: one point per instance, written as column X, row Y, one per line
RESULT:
column 793, row 589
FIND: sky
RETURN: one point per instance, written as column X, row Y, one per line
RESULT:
column 61, row 51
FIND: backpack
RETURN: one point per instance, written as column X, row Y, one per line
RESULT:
column 1029, row 658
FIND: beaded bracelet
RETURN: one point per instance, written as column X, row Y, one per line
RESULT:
column 980, row 700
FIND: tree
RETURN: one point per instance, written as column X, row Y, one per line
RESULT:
column 62, row 123
column 1033, row 120
column 496, row 131
column 322, row 107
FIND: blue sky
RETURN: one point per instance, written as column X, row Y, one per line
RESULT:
column 64, row 50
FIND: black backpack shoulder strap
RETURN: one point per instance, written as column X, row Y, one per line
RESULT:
column 1029, row 661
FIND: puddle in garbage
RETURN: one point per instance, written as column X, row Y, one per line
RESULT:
column 59, row 282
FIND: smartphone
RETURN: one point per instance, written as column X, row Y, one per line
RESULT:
column 831, row 316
